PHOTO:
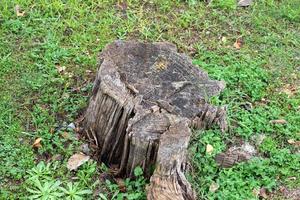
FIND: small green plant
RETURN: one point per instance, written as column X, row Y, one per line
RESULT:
column 134, row 189
column 44, row 190
column 42, row 170
column 268, row 145
column 41, row 182
column 87, row 172
column 74, row 192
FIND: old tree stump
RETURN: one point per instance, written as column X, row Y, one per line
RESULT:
column 146, row 98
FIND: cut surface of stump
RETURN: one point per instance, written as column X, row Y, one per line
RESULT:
column 145, row 99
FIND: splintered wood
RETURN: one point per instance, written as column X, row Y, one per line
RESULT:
column 145, row 99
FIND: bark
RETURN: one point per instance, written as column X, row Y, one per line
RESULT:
column 145, row 99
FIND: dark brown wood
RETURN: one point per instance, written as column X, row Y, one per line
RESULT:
column 146, row 97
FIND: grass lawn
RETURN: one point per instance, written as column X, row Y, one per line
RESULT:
column 48, row 56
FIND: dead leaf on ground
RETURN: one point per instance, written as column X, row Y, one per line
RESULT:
column 121, row 184
column 262, row 102
column 278, row 121
column 293, row 178
column 289, row 90
column 294, row 143
column 77, row 160
column 291, row 141
column 122, row 5
column 77, row 130
column 60, row 69
column 37, row 143
column 65, row 135
column 209, row 149
column 213, row 187
column 18, row 11
column 69, row 74
column 224, row 39
column 263, row 193
column 255, row 192
column 238, row 43
column 282, row 189
column 297, row 144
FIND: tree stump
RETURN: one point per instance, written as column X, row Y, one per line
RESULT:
column 145, row 99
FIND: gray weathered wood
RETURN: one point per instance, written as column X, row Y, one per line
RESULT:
column 235, row 155
column 145, row 99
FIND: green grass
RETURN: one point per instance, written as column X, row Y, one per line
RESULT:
column 36, row 99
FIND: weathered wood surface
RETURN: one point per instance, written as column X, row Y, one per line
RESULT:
column 168, row 180
column 146, row 97
column 235, row 155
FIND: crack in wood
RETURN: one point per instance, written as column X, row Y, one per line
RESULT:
column 145, row 99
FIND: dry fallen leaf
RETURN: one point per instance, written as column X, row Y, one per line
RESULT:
column 65, row 135
column 297, row 144
column 238, row 43
column 121, row 184
column 293, row 178
column 60, row 69
column 209, row 149
column 224, row 39
column 213, row 187
column 282, row 189
column 289, row 90
column 69, row 74
column 278, row 121
column 77, row 160
column 255, row 192
column 293, row 142
column 37, row 143
column 263, row 193
column 77, row 130
column 18, row 11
